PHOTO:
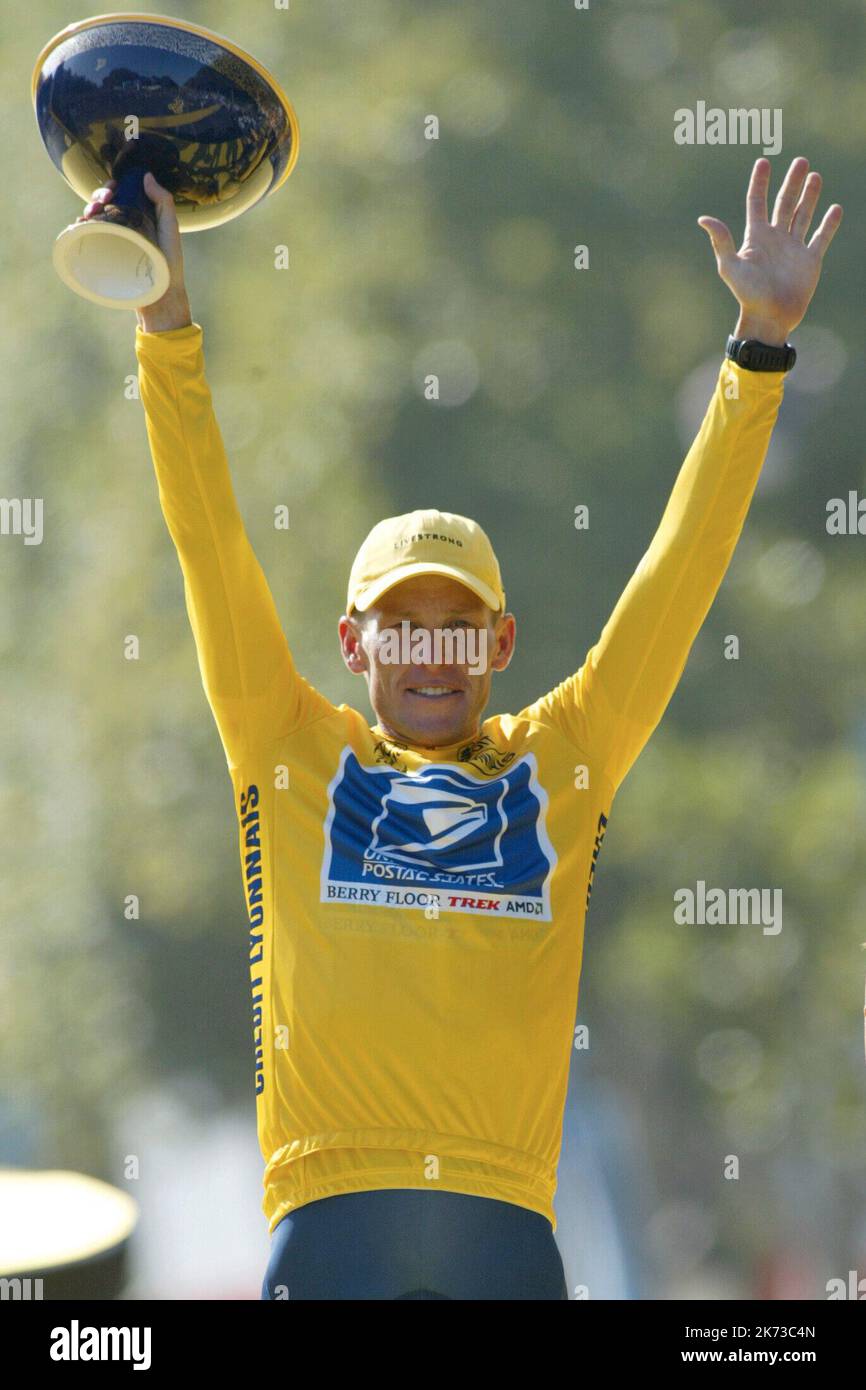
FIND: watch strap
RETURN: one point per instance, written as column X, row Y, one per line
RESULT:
column 760, row 357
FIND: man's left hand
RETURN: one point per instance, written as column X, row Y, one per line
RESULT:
column 774, row 274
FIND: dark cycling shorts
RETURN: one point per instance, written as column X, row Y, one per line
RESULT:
column 407, row 1243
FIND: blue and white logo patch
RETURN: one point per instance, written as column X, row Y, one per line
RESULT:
column 397, row 839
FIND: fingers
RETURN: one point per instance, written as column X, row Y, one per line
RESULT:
column 155, row 191
column 789, row 193
column 98, row 198
column 105, row 193
column 756, row 194
column 806, row 206
column 720, row 237
column 827, row 230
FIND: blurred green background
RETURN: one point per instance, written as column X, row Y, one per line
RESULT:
column 559, row 387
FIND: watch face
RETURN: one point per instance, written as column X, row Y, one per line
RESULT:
column 748, row 352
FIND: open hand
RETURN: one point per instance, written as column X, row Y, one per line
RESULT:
column 774, row 274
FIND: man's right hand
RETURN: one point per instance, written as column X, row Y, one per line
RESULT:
column 172, row 311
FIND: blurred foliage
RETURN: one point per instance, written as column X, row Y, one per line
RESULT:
column 455, row 255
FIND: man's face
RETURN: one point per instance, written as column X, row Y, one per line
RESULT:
column 428, row 649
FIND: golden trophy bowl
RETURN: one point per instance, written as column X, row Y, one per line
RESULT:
column 120, row 94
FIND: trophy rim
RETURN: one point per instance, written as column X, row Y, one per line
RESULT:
column 198, row 29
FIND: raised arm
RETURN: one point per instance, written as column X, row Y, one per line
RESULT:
column 247, row 669
column 609, row 708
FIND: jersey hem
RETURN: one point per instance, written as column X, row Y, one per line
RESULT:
column 374, row 1180
column 466, row 1166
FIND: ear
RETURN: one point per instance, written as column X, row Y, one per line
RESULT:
column 352, row 646
column 505, row 635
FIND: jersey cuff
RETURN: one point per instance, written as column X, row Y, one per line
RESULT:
column 174, row 344
column 752, row 383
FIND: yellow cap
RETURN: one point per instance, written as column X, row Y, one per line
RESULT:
column 425, row 542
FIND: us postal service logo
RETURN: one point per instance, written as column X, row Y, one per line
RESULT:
column 399, row 839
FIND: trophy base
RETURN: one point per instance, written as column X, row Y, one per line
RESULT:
column 111, row 264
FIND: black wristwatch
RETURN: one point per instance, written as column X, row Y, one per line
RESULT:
column 760, row 357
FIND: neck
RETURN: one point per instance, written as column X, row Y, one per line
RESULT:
column 423, row 740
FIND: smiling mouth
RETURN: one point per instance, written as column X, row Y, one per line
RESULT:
column 432, row 692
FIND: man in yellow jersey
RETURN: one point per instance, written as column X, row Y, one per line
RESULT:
column 417, row 889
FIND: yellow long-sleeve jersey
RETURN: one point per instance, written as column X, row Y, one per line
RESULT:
column 415, row 917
